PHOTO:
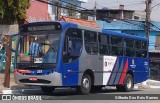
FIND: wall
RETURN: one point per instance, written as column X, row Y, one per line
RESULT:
column 37, row 12
column 8, row 29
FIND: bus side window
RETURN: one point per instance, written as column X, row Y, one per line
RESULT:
column 91, row 44
column 117, row 45
column 144, row 49
column 72, row 45
column 104, row 44
column 129, row 47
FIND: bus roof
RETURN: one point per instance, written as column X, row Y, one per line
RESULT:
column 124, row 35
column 89, row 28
column 112, row 32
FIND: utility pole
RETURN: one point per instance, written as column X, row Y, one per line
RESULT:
column 148, row 13
column 57, row 10
column 95, row 11
column 8, row 61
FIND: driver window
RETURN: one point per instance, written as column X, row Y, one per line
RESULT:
column 72, row 45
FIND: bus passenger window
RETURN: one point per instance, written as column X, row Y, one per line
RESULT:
column 144, row 49
column 72, row 45
column 103, row 49
column 144, row 45
column 138, row 45
column 129, row 52
column 104, row 44
column 144, row 53
column 138, row 53
column 117, row 41
column 117, row 51
column 129, row 47
column 91, row 44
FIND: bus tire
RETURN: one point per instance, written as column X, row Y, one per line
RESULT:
column 128, row 85
column 85, row 86
column 47, row 89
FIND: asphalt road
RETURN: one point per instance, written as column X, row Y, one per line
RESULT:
column 109, row 95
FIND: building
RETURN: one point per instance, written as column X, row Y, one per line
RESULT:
column 37, row 11
column 52, row 9
column 119, row 14
column 65, row 8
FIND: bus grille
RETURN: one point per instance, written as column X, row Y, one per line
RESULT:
column 37, row 81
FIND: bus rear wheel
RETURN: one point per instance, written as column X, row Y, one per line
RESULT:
column 47, row 89
column 128, row 85
column 85, row 86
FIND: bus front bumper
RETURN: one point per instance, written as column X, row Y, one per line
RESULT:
column 53, row 79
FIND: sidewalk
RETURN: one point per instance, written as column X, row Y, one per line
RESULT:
column 148, row 84
column 12, row 83
column 13, row 86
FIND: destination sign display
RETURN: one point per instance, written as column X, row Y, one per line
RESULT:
column 40, row 27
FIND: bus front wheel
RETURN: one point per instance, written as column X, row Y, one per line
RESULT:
column 85, row 86
column 47, row 89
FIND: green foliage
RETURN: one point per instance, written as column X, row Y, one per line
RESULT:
column 1, row 8
column 12, row 11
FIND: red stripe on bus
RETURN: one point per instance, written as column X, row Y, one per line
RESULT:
column 124, row 73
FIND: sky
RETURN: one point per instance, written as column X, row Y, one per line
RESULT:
column 128, row 4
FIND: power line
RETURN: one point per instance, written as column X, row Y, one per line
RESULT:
column 72, row 4
column 155, row 5
column 63, row 6
column 89, row 13
column 155, row 26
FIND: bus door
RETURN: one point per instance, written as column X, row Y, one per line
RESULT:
column 71, row 53
column 14, row 45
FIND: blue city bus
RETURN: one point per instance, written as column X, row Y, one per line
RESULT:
column 64, row 54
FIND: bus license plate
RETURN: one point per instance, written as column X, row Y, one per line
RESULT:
column 33, row 78
column 38, row 60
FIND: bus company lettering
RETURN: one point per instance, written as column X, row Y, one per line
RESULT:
column 109, row 61
column 133, row 64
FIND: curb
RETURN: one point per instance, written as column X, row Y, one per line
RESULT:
column 146, row 87
column 154, row 86
column 18, row 91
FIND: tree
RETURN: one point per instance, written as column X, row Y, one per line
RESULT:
column 13, row 11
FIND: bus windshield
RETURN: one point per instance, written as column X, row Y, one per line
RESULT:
column 38, row 47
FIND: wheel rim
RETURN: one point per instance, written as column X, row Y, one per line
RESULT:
column 86, row 83
column 129, row 83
